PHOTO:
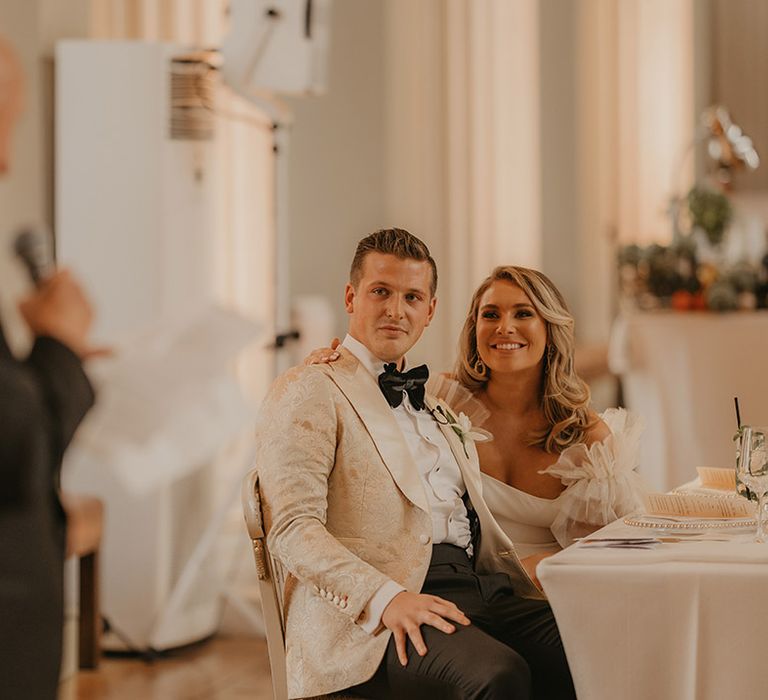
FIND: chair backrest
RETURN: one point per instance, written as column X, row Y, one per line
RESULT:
column 271, row 579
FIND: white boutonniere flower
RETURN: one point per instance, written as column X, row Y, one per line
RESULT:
column 462, row 426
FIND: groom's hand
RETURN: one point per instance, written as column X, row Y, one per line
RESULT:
column 406, row 613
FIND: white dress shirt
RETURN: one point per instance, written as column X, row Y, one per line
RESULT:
column 440, row 475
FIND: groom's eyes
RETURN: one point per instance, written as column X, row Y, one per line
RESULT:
column 410, row 297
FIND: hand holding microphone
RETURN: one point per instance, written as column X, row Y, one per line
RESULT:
column 57, row 307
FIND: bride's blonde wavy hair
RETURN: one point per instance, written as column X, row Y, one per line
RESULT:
column 564, row 395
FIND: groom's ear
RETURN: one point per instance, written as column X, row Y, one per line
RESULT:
column 432, row 306
column 349, row 298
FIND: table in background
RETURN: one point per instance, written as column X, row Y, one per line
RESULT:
column 680, row 372
column 684, row 621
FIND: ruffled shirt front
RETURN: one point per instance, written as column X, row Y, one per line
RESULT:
column 440, row 473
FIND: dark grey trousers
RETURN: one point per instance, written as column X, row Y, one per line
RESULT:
column 511, row 650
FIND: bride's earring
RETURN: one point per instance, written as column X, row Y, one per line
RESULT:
column 480, row 367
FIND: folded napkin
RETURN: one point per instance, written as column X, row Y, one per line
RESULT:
column 717, row 479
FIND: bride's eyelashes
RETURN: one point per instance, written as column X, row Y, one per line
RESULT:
column 493, row 315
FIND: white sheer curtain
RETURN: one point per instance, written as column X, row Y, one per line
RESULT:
column 656, row 118
column 196, row 22
column 463, row 139
column 466, row 141
column 493, row 122
column 636, row 116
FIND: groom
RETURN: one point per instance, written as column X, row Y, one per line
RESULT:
column 401, row 583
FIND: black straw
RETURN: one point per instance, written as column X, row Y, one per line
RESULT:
column 738, row 414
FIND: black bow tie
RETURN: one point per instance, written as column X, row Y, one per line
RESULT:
column 393, row 383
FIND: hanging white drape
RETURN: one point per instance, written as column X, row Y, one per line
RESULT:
column 492, row 84
column 463, row 138
column 656, row 113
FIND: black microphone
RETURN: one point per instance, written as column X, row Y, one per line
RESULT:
column 34, row 249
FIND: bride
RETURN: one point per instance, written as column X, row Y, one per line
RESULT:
column 554, row 470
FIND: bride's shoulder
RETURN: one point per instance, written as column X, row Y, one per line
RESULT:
column 614, row 432
column 598, row 430
column 621, row 423
column 611, row 445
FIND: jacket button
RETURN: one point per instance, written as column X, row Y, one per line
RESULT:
column 343, row 603
column 336, row 600
column 424, row 539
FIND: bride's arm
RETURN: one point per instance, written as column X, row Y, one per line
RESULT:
column 531, row 562
column 321, row 356
column 601, row 480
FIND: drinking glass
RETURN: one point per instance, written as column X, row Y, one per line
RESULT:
column 752, row 470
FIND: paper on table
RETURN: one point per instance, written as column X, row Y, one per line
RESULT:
column 716, row 478
column 690, row 505
column 168, row 403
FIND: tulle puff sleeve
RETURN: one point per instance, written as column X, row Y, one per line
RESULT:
column 601, row 480
column 459, row 398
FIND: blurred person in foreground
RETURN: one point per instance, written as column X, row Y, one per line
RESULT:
column 43, row 398
column 401, row 583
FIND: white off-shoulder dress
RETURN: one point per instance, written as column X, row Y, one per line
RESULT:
column 601, row 481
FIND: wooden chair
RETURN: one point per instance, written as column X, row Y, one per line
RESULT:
column 85, row 523
column 271, row 585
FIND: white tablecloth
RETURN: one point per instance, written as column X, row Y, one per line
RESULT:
column 684, row 621
column 680, row 371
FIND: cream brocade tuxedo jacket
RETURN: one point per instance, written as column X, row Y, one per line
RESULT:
column 345, row 511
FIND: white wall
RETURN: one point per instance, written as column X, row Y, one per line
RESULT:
column 360, row 159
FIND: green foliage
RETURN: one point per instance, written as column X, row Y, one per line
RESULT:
column 710, row 211
column 721, row 296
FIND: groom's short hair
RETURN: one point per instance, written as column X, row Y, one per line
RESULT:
column 392, row 241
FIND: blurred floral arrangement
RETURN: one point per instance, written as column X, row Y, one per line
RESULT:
column 692, row 273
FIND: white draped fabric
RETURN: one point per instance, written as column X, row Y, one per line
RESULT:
column 683, row 621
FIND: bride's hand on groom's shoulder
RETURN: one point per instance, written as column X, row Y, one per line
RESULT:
column 322, row 356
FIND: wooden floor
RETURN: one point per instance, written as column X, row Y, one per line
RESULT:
column 223, row 668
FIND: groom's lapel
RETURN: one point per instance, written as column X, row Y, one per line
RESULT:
column 359, row 386
column 469, row 468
